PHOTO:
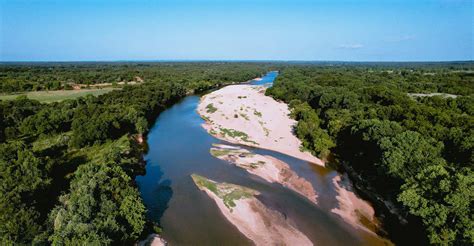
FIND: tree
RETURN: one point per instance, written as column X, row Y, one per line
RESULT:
column 23, row 176
column 407, row 153
column 308, row 130
column 100, row 208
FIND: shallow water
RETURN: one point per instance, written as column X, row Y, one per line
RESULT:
column 179, row 146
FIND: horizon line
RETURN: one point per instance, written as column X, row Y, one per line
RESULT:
column 234, row 60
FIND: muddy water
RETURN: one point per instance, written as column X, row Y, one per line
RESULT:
column 179, row 146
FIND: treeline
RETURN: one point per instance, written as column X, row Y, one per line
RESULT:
column 58, row 76
column 68, row 169
column 415, row 153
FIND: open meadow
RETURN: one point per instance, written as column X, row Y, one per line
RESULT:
column 57, row 96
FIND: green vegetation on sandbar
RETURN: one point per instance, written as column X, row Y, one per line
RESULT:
column 210, row 108
column 236, row 134
column 257, row 113
column 220, row 152
column 262, row 124
column 244, row 116
column 254, row 165
column 227, row 192
column 202, row 182
column 205, row 118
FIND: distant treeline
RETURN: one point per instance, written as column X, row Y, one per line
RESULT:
column 67, row 170
column 416, row 153
column 58, row 76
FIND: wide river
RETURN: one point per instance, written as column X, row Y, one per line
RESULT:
column 179, row 146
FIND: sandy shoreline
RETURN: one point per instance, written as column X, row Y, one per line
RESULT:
column 258, row 223
column 153, row 240
column 266, row 167
column 353, row 209
column 243, row 114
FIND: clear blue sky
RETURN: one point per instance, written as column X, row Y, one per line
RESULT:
column 351, row 30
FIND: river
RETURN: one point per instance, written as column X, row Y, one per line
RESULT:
column 179, row 146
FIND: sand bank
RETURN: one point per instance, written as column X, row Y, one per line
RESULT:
column 352, row 209
column 266, row 167
column 153, row 240
column 260, row 224
column 243, row 114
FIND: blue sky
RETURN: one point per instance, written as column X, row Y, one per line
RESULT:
column 362, row 30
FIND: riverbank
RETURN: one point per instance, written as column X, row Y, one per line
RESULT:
column 348, row 206
column 242, row 114
column 353, row 209
column 260, row 224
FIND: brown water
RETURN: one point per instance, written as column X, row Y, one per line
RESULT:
column 179, row 146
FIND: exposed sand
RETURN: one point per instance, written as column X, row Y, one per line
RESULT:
column 153, row 240
column 260, row 224
column 353, row 209
column 139, row 138
column 243, row 114
column 266, row 167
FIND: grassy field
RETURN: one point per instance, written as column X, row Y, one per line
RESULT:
column 56, row 96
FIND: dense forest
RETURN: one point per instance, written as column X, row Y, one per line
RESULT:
column 68, row 168
column 411, row 153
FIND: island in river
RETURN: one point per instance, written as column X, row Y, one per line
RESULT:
column 239, row 205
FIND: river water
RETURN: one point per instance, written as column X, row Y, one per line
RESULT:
column 179, row 147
